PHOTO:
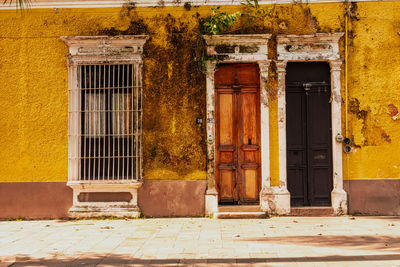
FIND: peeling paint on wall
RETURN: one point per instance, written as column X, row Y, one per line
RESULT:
column 393, row 111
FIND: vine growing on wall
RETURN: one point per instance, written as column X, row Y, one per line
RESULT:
column 254, row 13
column 218, row 21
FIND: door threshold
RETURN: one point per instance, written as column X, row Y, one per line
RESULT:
column 315, row 211
column 240, row 215
column 239, row 212
column 239, row 208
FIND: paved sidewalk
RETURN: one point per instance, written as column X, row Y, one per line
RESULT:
column 279, row 241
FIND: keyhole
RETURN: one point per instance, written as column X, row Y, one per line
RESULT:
column 249, row 141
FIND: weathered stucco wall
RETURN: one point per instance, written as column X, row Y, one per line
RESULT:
column 374, row 94
column 34, row 96
column 34, row 83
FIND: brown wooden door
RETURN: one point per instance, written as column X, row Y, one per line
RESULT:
column 308, row 132
column 237, row 98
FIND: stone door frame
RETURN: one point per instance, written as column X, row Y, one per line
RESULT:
column 309, row 48
column 249, row 48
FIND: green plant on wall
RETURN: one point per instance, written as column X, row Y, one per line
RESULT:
column 218, row 21
column 254, row 13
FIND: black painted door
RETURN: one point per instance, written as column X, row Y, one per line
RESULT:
column 308, row 133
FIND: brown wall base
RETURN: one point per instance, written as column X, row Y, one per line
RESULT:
column 172, row 198
column 33, row 200
column 373, row 197
column 37, row 200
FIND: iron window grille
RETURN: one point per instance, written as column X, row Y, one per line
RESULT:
column 105, row 112
column 110, row 122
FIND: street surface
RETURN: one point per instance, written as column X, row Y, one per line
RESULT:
column 278, row 241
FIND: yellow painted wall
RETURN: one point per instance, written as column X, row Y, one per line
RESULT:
column 374, row 85
column 34, row 98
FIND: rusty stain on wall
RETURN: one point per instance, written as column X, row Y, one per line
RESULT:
column 393, row 111
column 372, row 133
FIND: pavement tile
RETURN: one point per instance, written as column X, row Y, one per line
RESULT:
column 278, row 241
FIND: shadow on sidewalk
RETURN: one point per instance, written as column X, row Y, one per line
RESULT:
column 369, row 242
column 99, row 260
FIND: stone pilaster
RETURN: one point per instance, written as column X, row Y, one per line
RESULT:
column 276, row 199
column 338, row 195
column 211, row 198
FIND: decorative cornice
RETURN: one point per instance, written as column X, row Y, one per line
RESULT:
column 309, row 38
column 308, row 47
column 116, row 46
column 155, row 3
column 237, row 39
column 238, row 47
column 103, row 40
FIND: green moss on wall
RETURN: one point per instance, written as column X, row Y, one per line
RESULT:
column 173, row 95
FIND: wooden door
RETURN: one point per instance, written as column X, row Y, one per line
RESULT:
column 237, row 107
column 308, row 132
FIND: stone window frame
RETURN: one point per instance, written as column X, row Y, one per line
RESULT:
column 309, row 48
column 90, row 50
column 257, row 52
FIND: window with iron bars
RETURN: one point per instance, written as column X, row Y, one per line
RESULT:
column 110, row 122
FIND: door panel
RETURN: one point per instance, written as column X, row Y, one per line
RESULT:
column 226, row 125
column 226, row 172
column 237, row 133
column 249, row 144
column 226, row 183
column 251, row 187
column 319, row 144
column 296, row 145
column 308, row 124
column 248, row 118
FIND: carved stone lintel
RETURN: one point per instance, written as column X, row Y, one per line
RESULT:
column 319, row 46
column 238, row 47
column 105, row 46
